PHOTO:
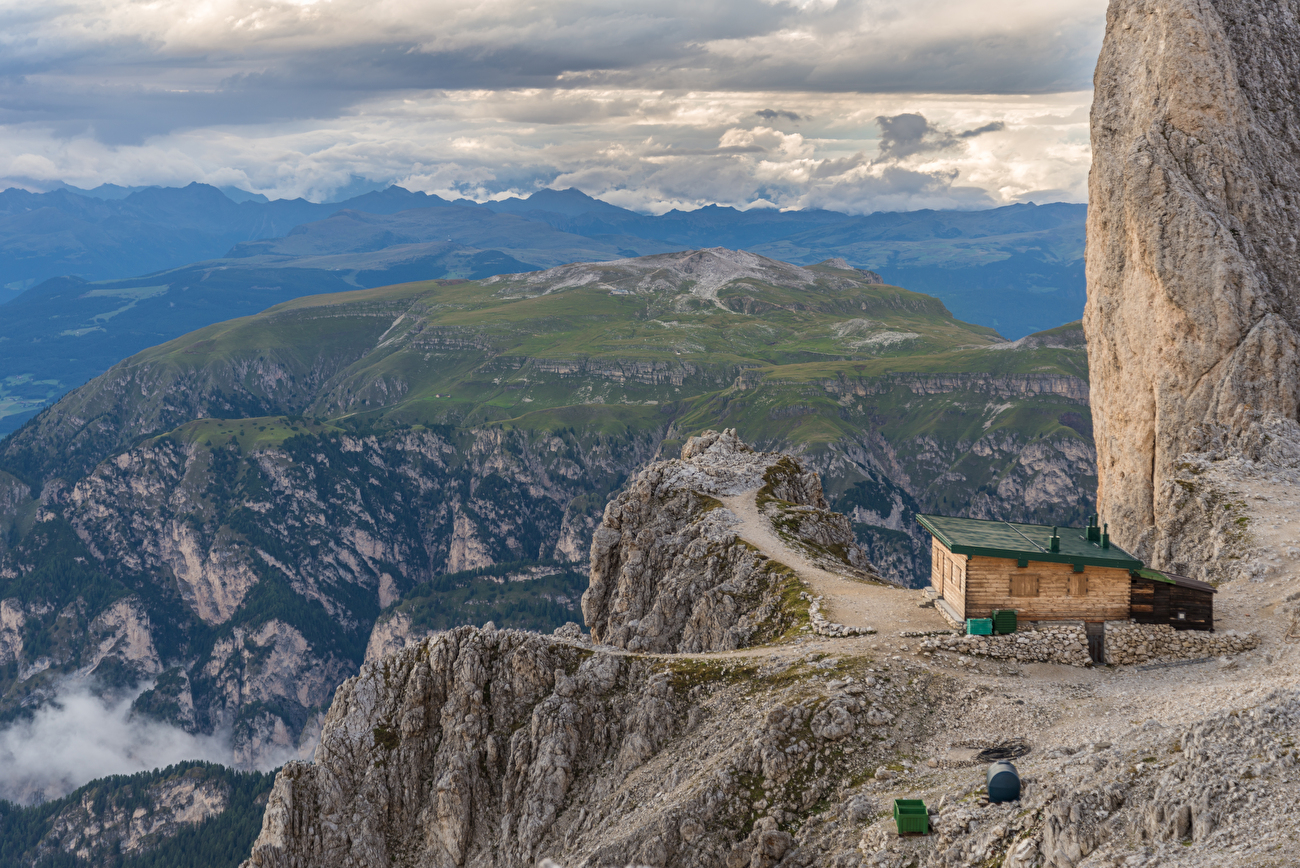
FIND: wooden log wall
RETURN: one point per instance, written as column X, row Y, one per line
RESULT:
column 1096, row 594
column 948, row 575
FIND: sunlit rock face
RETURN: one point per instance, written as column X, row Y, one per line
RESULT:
column 1193, row 276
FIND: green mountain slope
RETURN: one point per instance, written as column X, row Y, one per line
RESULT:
column 190, row 815
column 67, row 330
column 253, row 494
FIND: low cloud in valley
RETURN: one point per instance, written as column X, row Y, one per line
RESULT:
column 79, row 737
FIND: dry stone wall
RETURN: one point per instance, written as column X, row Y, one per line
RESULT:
column 1067, row 644
column 1128, row 642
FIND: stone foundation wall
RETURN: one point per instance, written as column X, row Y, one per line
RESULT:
column 1128, row 643
column 1066, row 644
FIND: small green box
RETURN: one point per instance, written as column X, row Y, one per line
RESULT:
column 1004, row 621
column 979, row 626
column 911, row 816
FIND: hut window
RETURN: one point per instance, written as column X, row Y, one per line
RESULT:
column 1024, row 585
column 1077, row 585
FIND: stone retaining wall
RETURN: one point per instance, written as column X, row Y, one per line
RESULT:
column 823, row 627
column 1067, row 644
column 1128, row 642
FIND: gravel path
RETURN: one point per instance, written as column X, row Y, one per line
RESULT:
column 845, row 600
column 1063, row 704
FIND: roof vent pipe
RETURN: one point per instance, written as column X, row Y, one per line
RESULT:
column 1055, row 541
column 1105, row 536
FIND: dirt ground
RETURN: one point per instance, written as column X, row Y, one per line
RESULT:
column 1064, row 704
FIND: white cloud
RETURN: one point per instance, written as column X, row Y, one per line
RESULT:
column 80, row 737
column 669, row 104
column 648, row 150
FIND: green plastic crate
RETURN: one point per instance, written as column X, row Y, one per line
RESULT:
column 979, row 626
column 1004, row 620
column 910, row 815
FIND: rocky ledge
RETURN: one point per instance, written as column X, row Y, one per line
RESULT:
column 668, row 572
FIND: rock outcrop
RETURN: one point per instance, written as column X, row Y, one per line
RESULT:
column 1193, row 284
column 187, row 812
column 282, row 554
column 503, row 748
column 668, row 574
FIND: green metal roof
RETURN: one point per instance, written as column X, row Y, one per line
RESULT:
column 1006, row 539
column 1175, row 579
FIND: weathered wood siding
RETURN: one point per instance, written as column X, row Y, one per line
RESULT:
column 1096, row 594
column 1156, row 602
column 948, row 575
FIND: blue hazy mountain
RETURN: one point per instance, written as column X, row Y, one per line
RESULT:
column 70, row 261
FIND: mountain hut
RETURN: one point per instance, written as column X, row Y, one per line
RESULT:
column 1044, row 573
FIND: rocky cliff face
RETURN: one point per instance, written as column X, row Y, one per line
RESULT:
column 156, row 817
column 133, row 826
column 244, row 582
column 503, row 748
column 668, row 575
column 1191, row 318
column 513, row 750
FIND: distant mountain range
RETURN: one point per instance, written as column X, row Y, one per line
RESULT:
column 226, row 516
column 69, row 260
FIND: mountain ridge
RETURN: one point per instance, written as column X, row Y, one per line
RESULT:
column 254, row 495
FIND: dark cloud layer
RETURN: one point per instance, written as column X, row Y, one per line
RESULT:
column 776, row 114
column 662, row 104
column 907, row 135
column 143, row 78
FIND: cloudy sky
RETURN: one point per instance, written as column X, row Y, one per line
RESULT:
column 856, row 105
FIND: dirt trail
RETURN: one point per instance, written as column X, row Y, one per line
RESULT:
column 844, row 600
column 1069, row 704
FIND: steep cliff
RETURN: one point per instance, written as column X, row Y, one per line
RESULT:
column 192, row 813
column 243, row 577
column 503, row 748
column 667, row 574
column 1193, row 285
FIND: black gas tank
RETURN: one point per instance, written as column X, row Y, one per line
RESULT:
column 1003, row 782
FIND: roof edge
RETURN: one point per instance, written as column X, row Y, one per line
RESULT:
column 1126, row 563
column 1045, row 557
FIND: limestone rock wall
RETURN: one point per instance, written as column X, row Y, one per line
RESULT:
column 667, row 572
column 86, row 831
column 282, row 556
column 1193, row 277
column 502, row 748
